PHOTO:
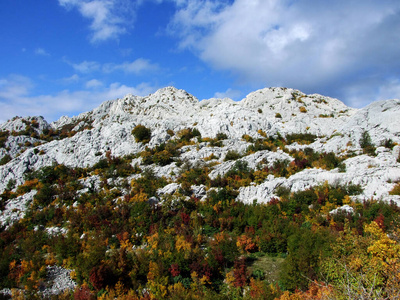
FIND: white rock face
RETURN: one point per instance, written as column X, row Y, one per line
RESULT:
column 274, row 111
column 342, row 209
column 15, row 209
column 59, row 280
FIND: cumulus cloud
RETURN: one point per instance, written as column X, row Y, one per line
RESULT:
column 307, row 44
column 109, row 18
column 17, row 98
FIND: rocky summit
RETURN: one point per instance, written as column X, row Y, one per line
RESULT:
column 306, row 122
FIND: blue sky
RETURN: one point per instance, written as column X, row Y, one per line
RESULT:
column 64, row 57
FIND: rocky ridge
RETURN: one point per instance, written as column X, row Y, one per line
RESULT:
column 83, row 140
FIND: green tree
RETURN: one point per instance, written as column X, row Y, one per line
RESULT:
column 141, row 134
column 366, row 143
column 306, row 248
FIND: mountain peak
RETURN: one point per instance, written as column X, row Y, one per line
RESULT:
column 171, row 95
column 82, row 140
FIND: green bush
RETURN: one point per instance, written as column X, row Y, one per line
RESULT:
column 282, row 191
column 3, row 138
column 366, row 143
column 142, row 134
column 221, row 136
column 187, row 134
column 388, row 143
column 330, row 160
column 232, row 155
column 5, row 159
column 395, row 190
column 301, row 138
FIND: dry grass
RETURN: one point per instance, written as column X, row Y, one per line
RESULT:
column 271, row 266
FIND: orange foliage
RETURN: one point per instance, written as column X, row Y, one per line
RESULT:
column 316, row 291
column 246, row 244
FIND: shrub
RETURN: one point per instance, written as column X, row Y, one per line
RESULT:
column 247, row 138
column 162, row 158
column 366, row 143
column 280, row 168
column 262, row 133
column 388, row 143
column 221, row 136
column 301, row 138
column 342, row 167
column 282, row 191
column 240, row 169
column 278, row 115
column 187, row 134
column 5, row 159
column 303, row 109
column 395, row 190
column 3, row 138
column 141, row 134
column 232, row 155
column 196, row 132
column 330, row 160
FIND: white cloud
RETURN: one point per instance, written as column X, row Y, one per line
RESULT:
column 86, row 66
column 14, row 86
column 71, row 79
column 308, row 44
column 41, row 51
column 16, row 98
column 109, row 18
column 138, row 66
column 229, row 93
column 389, row 90
column 94, row 83
column 366, row 91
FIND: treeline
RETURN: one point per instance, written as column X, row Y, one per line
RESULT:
column 122, row 246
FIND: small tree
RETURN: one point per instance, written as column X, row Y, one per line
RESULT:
column 366, row 143
column 141, row 134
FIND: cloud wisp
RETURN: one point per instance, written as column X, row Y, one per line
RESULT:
column 137, row 67
column 42, row 52
column 109, row 18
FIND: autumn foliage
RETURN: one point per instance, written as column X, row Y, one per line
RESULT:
column 123, row 240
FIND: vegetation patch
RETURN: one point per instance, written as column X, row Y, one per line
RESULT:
column 300, row 138
column 366, row 143
column 142, row 134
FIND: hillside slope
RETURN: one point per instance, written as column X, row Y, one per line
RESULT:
column 168, row 196
column 82, row 141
